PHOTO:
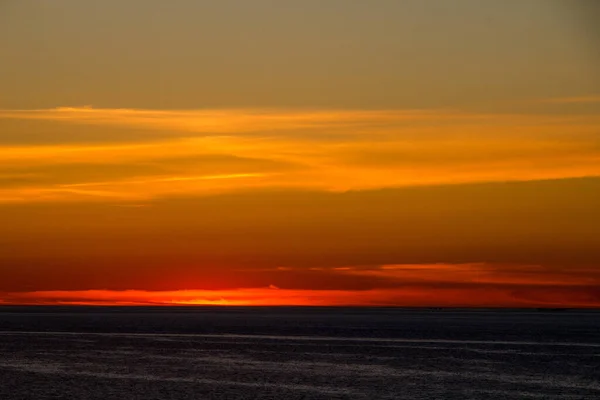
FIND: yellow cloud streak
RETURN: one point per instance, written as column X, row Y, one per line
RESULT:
column 167, row 179
column 332, row 150
column 221, row 121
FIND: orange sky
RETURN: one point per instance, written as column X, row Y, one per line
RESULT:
column 409, row 154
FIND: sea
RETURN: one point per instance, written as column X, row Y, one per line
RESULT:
column 147, row 353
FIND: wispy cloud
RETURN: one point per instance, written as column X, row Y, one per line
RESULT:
column 574, row 100
column 165, row 179
column 212, row 151
column 476, row 296
column 227, row 121
column 481, row 274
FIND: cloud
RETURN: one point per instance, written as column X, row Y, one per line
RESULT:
column 329, row 150
column 574, row 100
column 479, row 297
column 213, row 122
column 482, row 274
column 295, row 239
column 472, row 284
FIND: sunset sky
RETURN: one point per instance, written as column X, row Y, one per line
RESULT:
column 314, row 152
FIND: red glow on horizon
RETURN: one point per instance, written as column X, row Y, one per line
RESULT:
column 476, row 297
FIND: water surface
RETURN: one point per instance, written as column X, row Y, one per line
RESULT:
column 297, row 353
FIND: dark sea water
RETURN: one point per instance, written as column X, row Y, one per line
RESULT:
column 297, row 353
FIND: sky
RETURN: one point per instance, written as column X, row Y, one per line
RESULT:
column 316, row 152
